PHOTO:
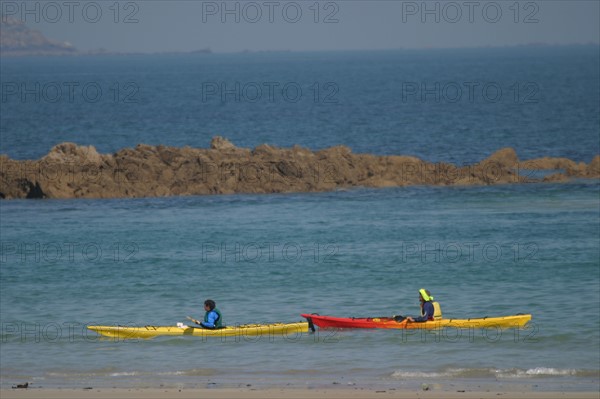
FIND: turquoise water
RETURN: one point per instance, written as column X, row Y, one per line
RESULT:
column 500, row 250
column 482, row 251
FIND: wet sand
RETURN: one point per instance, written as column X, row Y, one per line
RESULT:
column 277, row 393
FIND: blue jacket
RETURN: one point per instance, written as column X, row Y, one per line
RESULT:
column 210, row 319
column 428, row 310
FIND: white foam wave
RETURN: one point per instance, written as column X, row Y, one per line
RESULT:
column 537, row 372
column 541, row 372
column 124, row 374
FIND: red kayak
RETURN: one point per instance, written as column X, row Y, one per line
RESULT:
column 517, row 321
column 352, row 322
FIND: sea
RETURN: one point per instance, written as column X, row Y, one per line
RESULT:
column 480, row 250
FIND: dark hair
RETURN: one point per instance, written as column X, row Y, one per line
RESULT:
column 210, row 303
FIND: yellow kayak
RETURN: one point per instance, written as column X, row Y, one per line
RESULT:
column 246, row 330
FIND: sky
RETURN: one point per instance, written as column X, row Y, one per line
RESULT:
column 265, row 25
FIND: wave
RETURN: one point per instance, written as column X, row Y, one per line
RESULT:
column 537, row 372
column 112, row 373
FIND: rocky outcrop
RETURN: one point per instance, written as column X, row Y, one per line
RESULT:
column 72, row 171
column 16, row 39
column 569, row 169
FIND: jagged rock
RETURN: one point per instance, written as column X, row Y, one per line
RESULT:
column 337, row 151
column 72, row 171
column 593, row 169
column 264, row 149
column 71, row 152
column 548, row 163
column 220, row 143
column 505, row 157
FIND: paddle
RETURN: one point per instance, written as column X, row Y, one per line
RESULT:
column 194, row 320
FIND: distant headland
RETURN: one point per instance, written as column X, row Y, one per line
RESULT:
column 72, row 171
column 17, row 40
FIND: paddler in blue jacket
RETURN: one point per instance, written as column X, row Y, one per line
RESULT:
column 430, row 310
column 212, row 317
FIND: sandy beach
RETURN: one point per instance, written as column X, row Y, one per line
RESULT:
column 277, row 393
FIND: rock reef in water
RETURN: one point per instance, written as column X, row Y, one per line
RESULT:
column 72, row 171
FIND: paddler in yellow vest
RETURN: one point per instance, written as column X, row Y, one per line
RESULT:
column 430, row 310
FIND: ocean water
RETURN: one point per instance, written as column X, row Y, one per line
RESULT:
column 443, row 105
column 481, row 251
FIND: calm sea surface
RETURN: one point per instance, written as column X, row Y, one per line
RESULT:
column 481, row 251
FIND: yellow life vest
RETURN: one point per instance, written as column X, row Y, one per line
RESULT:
column 437, row 311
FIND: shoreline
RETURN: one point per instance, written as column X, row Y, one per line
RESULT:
column 71, row 171
column 284, row 393
column 324, row 386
